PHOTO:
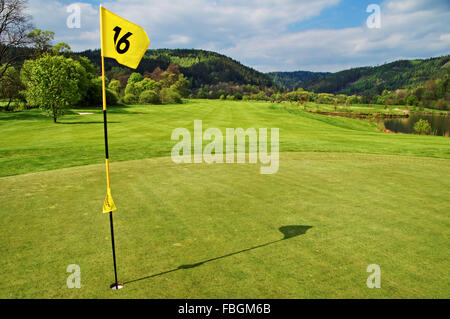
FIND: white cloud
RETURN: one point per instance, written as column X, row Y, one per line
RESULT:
column 177, row 39
column 218, row 24
column 409, row 30
column 256, row 32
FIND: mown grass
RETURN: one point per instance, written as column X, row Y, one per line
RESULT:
column 212, row 231
column 33, row 143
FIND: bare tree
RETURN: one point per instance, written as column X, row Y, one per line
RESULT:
column 15, row 25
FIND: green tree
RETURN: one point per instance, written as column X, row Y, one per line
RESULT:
column 422, row 127
column 149, row 97
column 94, row 96
column 181, row 85
column 10, row 85
column 15, row 24
column 130, row 89
column 201, row 94
column 130, row 99
column 53, row 84
column 135, row 77
column 145, row 85
column 115, row 86
column 341, row 99
column 412, row 100
column 41, row 39
column 292, row 96
column 238, row 96
column 60, row 48
column 380, row 100
column 261, row 96
column 169, row 95
column 221, row 92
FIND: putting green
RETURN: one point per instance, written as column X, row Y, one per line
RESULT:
column 214, row 231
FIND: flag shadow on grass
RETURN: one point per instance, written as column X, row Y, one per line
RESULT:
column 287, row 231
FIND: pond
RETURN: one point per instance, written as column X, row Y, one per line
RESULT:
column 440, row 124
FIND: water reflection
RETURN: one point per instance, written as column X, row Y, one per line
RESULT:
column 440, row 124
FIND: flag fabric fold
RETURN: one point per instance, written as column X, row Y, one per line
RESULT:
column 108, row 204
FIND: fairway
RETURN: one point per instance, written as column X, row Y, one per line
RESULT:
column 345, row 196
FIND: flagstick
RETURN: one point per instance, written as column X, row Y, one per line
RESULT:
column 108, row 181
column 139, row 44
column 113, row 248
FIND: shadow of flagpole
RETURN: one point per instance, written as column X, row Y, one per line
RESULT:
column 287, row 231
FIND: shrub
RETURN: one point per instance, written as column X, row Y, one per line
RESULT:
column 111, row 97
column 292, row 96
column 93, row 95
column 238, row 96
column 261, row 96
column 325, row 98
column 380, row 100
column 149, row 97
column 422, row 127
column 441, row 104
column 130, row 99
column 115, row 86
column 135, row 77
column 412, row 100
column 353, row 99
column 169, row 95
column 201, row 94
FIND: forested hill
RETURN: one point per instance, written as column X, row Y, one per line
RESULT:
column 373, row 80
column 200, row 66
column 296, row 79
column 205, row 68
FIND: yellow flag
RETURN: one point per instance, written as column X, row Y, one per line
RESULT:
column 108, row 205
column 122, row 40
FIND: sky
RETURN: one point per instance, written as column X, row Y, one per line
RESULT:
column 279, row 35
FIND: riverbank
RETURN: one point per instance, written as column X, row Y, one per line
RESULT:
column 389, row 119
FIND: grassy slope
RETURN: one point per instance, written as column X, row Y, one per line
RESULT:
column 384, row 209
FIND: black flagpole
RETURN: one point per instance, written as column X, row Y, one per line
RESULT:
column 105, row 126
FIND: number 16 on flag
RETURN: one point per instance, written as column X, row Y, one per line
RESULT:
column 122, row 40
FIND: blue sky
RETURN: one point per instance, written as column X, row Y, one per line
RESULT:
column 345, row 14
column 281, row 35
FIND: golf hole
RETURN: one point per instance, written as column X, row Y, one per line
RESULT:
column 117, row 286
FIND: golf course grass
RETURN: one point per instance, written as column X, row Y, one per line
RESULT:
column 345, row 196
